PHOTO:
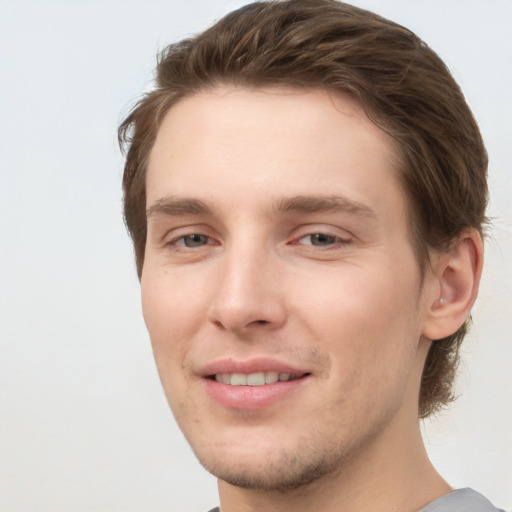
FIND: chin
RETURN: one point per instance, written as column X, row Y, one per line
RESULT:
column 282, row 471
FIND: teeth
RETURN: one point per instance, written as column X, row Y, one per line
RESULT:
column 253, row 379
column 238, row 379
column 271, row 377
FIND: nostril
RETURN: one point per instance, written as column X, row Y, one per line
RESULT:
column 261, row 321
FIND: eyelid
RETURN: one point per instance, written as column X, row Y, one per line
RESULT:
column 177, row 238
column 177, row 233
column 336, row 244
column 321, row 229
column 335, row 238
column 184, row 239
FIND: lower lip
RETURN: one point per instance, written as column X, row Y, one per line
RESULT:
column 251, row 397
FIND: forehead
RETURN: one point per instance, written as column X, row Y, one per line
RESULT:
column 240, row 142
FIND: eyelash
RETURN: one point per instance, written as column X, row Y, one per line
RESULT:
column 183, row 238
column 332, row 240
column 316, row 240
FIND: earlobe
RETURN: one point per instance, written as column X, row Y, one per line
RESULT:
column 456, row 274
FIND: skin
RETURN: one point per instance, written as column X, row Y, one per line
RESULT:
column 237, row 268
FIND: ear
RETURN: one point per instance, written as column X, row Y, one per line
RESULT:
column 453, row 286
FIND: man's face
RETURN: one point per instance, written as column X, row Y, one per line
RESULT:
column 278, row 257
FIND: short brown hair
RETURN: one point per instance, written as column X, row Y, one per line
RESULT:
column 403, row 86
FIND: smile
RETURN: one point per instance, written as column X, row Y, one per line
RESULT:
column 254, row 390
column 253, row 379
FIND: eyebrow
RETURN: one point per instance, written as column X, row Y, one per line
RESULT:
column 178, row 206
column 304, row 204
column 323, row 203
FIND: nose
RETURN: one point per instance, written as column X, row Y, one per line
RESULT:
column 247, row 293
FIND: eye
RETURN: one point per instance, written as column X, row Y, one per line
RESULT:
column 320, row 240
column 193, row 240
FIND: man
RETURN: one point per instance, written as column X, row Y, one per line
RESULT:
column 306, row 191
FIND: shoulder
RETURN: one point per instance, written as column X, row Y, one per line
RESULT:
column 461, row 500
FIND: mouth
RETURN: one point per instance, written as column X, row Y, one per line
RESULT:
column 256, row 378
column 252, row 384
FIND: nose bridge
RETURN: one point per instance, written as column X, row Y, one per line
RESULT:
column 247, row 292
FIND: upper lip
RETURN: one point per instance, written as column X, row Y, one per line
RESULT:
column 254, row 365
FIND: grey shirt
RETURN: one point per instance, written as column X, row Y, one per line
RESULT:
column 461, row 500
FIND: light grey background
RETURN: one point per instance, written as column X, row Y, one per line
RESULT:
column 83, row 422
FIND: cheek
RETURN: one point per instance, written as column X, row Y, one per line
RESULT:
column 363, row 318
column 364, row 299
column 170, row 311
column 371, row 341
column 171, row 306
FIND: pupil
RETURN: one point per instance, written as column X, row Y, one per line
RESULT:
column 194, row 240
column 322, row 239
